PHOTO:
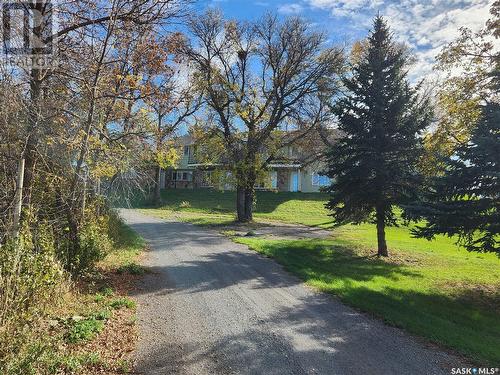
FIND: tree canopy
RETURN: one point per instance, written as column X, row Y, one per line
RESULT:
column 259, row 79
column 465, row 200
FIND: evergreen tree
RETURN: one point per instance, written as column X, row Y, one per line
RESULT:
column 374, row 164
column 465, row 201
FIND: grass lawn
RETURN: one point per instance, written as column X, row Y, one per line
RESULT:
column 219, row 207
column 127, row 249
column 432, row 289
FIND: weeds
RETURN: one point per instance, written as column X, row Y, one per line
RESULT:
column 123, row 366
column 102, row 314
column 107, row 291
column 132, row 269
column 122, row 302
column 33, row 340
column 84, row 330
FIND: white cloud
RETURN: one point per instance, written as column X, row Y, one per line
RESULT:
column 344, row 8
column 294, row 8
column 426, row 25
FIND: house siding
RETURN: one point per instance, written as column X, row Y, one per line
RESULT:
column 283, row 171
column 283, row 179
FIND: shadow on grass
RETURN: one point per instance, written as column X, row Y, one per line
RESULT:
column 471, row 329
column 215, row 201
column 321, row 260
column 326, row 224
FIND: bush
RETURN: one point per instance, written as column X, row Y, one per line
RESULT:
column 93, row 238
column 114, row 226
column 94, row 244
column 30, row 279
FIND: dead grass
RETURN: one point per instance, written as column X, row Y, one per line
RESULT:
column 485, row 295
column 109, row 352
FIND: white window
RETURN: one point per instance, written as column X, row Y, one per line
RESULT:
column 320, row 180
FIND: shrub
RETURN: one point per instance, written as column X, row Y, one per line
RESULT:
column 95, row 238
column 94, row 244
column 114, row 226
column 30, row 279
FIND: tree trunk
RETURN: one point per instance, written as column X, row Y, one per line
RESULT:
column 249, row 197
column 84, row 195
column 73, row 243
column 250, row 177
column 34, row 113
column 32, row 142
column 157, row 195
column 240, row 203
column 382, row 245
column 18, row 196
column 245, row 191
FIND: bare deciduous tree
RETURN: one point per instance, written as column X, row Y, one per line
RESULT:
column 258, row 79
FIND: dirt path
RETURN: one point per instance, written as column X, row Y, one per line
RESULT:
column 211, row 306
column 276, row 230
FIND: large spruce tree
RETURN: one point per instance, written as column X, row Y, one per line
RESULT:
column 465, row 201
column 374, row 165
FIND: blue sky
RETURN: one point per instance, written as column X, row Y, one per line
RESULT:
column 426, row 25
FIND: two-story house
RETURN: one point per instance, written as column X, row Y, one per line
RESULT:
column 292, row 171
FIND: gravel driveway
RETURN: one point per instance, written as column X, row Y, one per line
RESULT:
column 211, row 306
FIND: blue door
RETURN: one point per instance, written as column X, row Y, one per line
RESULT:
column 295, row 181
